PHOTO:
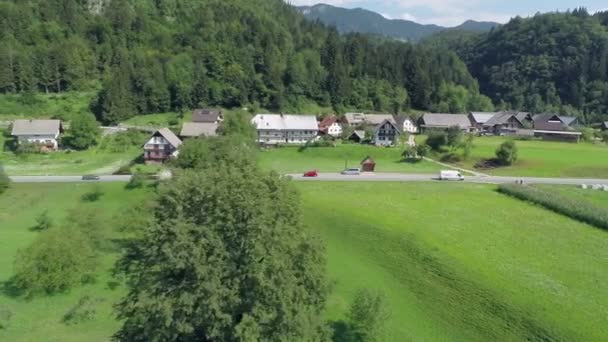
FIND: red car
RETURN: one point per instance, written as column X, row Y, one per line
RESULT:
column 312, row 173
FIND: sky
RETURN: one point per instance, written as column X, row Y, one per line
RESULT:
column 455, row 12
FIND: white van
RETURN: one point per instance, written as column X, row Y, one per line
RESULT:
column 450, row 175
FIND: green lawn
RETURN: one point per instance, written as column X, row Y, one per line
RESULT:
column 546, row 158
column 156, row 120
column 461, row 262
column 39, row 319
column 334, row 159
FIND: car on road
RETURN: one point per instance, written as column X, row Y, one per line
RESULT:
column 450, row 175
column 351, row 172
column 312, row 173
column 90, row 178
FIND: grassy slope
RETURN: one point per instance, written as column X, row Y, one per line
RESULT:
column 63, row 106
column 461, row 262
column 332, row 159
column 40, row 319
column 596, row 197
column 546, row 158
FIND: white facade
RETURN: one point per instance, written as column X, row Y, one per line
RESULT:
column 47, row 140
column 409, row 126
column 285, row 129
column 335, row 130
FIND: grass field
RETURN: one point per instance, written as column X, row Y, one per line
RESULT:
column 461, row 262
column 596, row 197
column 63, row 106
column 39, row 319
column 546, row 158
column 334, row 159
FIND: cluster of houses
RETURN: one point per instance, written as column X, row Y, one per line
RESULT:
column 280, row 129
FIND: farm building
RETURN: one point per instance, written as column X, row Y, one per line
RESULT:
column 509, row 123
column 208, row 116
column 406, row 124
column 43, row 133
column 275, row 129
column 555, row 127
column 198, row 129
column 444, row 121
column 368, row 164
column 161, row 146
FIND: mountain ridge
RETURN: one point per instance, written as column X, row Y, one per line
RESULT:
column 366, row 21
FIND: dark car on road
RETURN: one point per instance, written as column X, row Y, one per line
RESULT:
column 90, row 178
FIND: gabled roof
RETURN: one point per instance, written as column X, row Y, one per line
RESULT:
column 36, row 127
column 358, row 133
column 445, row 120
column 367, row 160
column 354, row 118
column 206, row 115
column 482, row 117
column 285, row 122
column 568, row 120
column 500, row 118
column 549, row 122
column 392, row 122
column 376, row 119
column 327, row 121
column 197, row 129
column 605, row 124
column 169, row 136
column 400, row 119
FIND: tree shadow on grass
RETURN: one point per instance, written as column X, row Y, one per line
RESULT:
column 342, row 332
column 10, row 289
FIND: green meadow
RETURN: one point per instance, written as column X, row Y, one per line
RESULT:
column 545, row 158
column 461, row 262
column 335, row 159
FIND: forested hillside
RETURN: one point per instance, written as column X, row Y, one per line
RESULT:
column 549, row 62
column 147, row 56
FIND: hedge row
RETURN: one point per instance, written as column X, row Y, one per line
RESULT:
column 578, row 210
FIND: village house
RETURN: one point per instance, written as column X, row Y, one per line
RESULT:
column 406, row 124
column 386, row 133
column 509, row 123
column 479, row 119
column 360, row 119
column 161, row 146
column 353, row 119
column 555, row 127
column 198, row 129
column 430, row 121
column 357, row 136
column 43, row 133
column 273, row 129
column 207, row 116
column 330, row 126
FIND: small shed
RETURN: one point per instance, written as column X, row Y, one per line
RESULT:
column 368, row 164
column 357, row 136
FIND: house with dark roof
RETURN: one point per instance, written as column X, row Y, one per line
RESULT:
column 198, row 129
column 386, row 133
column 161, row 146
column 43, row 133
column 509, row 123
column 330, row 126
column 430, row 121
column 357, row 136
column 479, row 119
column 555, row 127
column 207, row 115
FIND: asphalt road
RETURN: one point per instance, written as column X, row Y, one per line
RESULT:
column 396, row 177
column 67, row 179
column 336, row 177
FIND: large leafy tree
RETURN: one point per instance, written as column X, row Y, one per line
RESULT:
column 226, row 259
column 84, row 131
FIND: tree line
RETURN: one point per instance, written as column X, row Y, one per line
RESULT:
column 165, row 55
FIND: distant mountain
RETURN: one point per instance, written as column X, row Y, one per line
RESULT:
column 364, row 21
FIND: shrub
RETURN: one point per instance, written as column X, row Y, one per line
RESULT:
column 506, row 154
column 588, row 134
column 422, row 150
column 5, row 182
column 137, row 181
column 578, row 210
column 43, row 221
column 437, row 140
column 84, row 131
column 451, row 157
column 26, row 147
column 367, row 316
column 57, row 260
column 94, row 195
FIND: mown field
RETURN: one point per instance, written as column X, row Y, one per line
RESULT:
column 40, row 318
column 335, row 159
column 62, row 106
column 598, row 198
column 545, row 158
column 453, row 268
column 461, row 262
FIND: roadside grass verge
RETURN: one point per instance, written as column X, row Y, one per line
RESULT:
column 571, row 207
column 594, row 197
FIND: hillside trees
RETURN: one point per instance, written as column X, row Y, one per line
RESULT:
column 226, row 259
column 156, row 56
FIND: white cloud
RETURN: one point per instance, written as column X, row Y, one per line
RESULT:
column 408, row 16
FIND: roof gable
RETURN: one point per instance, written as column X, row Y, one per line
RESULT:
column 368, row 160
column 197, row 129
column 387, row 121
column 206, row 115
column 445, row 120
column 169, row 136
